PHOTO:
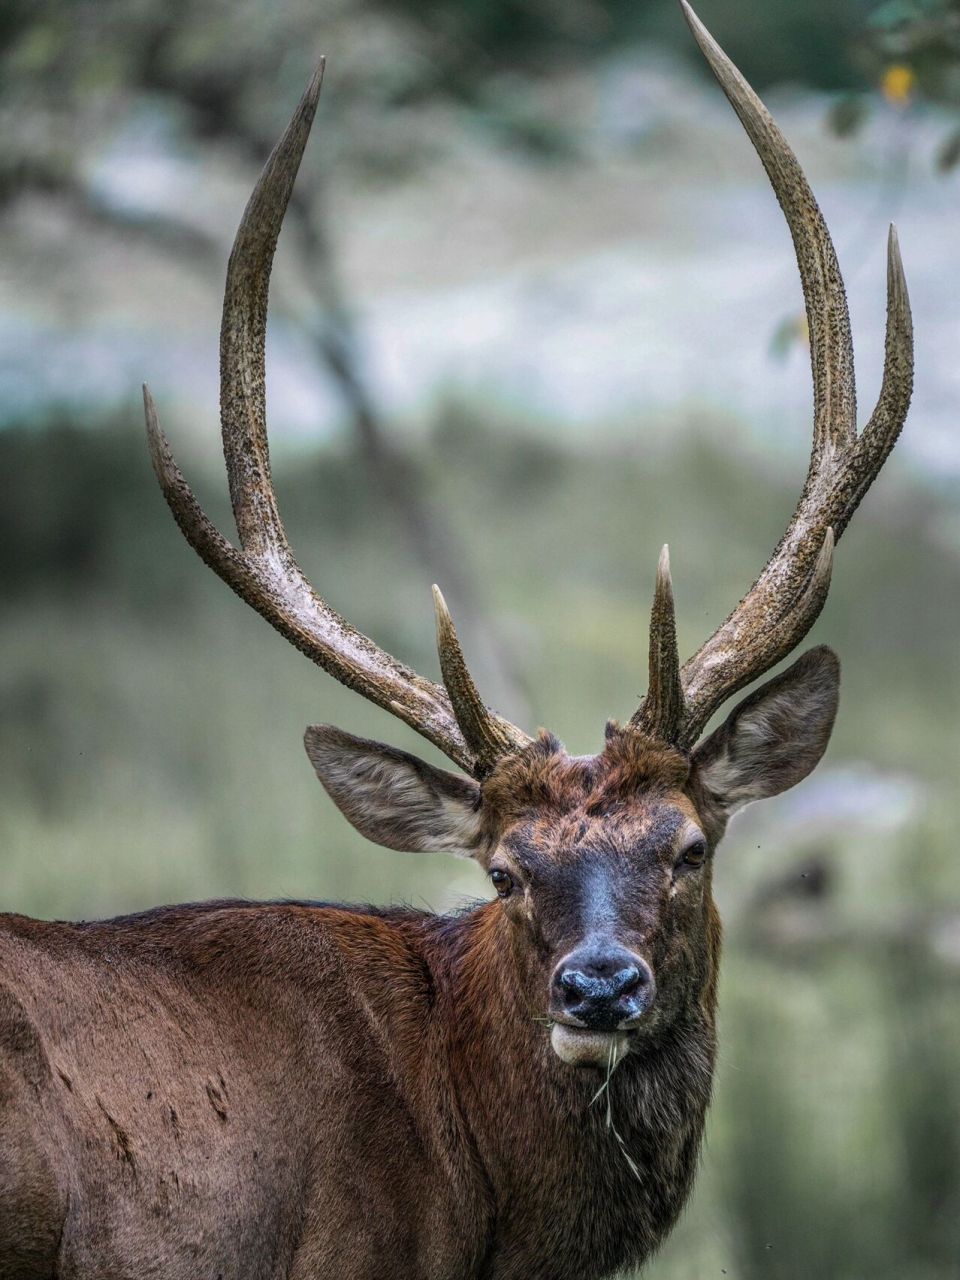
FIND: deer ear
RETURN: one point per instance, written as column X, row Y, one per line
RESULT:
column 774, row 738
column 393, row 798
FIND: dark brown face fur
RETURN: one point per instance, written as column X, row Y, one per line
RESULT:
column 604, row 856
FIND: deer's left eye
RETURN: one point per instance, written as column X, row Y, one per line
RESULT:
column 502, row 881
column 694, row 855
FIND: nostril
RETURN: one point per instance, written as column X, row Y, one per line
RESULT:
column 627, row 980
column 574, row 986
column 603, row 988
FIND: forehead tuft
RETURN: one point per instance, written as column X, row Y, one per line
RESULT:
column 543, row 778
column 632, row 762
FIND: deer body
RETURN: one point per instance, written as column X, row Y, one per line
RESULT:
column 315, row 1117
column 291, row 1090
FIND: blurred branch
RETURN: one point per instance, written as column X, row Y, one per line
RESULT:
column 429, row 535
column 398, row 480
column 34, row 177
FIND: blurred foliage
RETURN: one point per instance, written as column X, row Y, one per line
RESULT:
column 150, row 750
column 922, row 39
column 86, row 542
column 910, row 51
column 73, row 62
column 852, row 1171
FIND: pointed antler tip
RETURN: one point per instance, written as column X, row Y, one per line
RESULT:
column 664, row 589
column 442, row 613
column 161, row 455
column 154, row 431
column 894, row 260
column 316, row 80
column 700, row 32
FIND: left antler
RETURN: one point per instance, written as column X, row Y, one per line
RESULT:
column 783, row 603
column 263, row 570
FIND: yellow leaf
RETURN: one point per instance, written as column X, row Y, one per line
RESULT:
column 897, row 84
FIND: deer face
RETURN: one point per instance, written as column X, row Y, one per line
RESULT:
column 602, row 865
column 602, row 868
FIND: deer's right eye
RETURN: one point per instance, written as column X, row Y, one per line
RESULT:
column 502, row 882
column 694, row 855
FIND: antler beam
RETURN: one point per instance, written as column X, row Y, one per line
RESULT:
column 784, row 602
column 263, row 570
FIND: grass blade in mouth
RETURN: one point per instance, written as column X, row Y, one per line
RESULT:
column 605, row 1089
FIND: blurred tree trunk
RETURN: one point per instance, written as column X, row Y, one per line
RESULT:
column 430, row 536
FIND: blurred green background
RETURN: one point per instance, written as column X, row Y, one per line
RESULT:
column 534, row 314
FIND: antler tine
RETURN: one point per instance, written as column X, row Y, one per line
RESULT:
column 831, row 346
column 886, row 422
column 786, row 598
column 264, row 571
column 486, row 734
column 661, row 710
column 243, row 331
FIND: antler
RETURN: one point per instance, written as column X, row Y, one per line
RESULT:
column 263, row 570
column 783, row 603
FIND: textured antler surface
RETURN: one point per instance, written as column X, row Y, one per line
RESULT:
column 783, row 603
column 263, row 571
column 663, row 706
column 487, row 735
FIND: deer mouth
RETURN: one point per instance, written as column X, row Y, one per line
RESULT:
column 581, row 1047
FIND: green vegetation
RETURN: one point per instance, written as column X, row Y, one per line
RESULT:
column 151, row 752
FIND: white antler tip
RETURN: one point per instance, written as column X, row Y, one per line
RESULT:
column 316, row 80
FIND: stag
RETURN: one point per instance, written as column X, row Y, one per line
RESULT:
column 235, row 1089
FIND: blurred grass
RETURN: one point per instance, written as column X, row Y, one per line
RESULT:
column 150, row 751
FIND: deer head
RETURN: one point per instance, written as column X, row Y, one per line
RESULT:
column 602, row 864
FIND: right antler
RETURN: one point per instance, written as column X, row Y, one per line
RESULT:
column 783, row 603
column 263, row 571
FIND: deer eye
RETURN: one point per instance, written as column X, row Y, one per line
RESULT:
column 694, row 855
column 502, row 882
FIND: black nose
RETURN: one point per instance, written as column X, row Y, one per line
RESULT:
column 602, row 988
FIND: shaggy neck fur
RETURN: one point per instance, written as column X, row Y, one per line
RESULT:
column 571, row 1195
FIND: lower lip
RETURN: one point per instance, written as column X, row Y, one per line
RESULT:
column 579, row 1047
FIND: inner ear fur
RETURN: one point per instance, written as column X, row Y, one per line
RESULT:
column 394, row 798
column 773, row 738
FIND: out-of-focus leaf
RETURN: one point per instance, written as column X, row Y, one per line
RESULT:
column 896, row 13
column 38, row 48
column 792, row 331
column 898, row 83
column 948, row 155
column 847, row 115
